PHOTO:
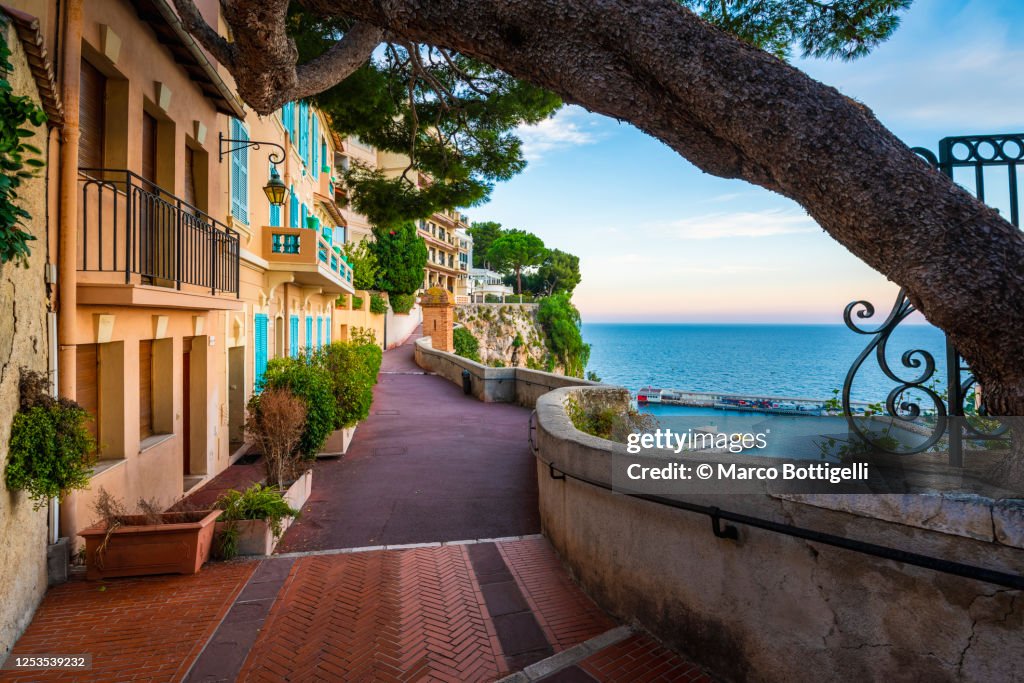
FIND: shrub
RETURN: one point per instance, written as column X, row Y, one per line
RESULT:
column 378, row 304
column 276, row 422
column 466, row 345
column 402, row 303
column 341, row 301
column 256, row 502
column 312, row 384
column 51, row 450
column 357, row 303
column 492, row 299
column 560, row 321
column 353, row 369
column 598, row 417
column 497, row 363
column 401, row 256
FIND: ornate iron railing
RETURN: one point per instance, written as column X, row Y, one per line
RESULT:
column 129, row 225
column 951, row 412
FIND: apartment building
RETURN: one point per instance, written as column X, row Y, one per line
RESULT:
column 177, row 277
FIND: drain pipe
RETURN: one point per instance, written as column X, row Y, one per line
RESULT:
column 51, row 338
column 67, row 299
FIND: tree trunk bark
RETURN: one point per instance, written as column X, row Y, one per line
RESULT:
column 737, row 112
column 519, row 282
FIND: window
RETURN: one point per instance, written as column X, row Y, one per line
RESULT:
column 145, row 389
column 275, row 211
column 260, row 341
column 293, row 335
column 92, row 114
column 239, row 174
column 293, row 209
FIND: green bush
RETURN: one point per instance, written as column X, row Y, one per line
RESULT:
column 402, row 303
column 492, row 299
column 378, row 304
column 466, row 345
column 352, row 368
column 357, row 303
column 50, row 452
column 341, row 301
column 311, row 382
column 256, row 502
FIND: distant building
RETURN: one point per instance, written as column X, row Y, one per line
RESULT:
column 484, row 282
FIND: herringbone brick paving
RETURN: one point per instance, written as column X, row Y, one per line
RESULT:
column 567, row 616
column 145, row 629
column 379, row 616
column 640, row 659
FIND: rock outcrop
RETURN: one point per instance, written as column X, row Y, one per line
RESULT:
column 508, row 334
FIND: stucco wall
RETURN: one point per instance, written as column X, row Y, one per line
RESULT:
column 401, row 326
column 347, row 318
column 23, row 343
column 771, row 607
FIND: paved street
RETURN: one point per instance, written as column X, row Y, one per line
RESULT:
column 417, row 557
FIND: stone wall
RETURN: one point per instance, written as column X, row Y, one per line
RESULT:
column 23, row 344
column 773, row 607
column 509, row 335
column 493, row 385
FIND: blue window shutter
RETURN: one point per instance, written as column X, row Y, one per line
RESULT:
column 302, row 215
column 239, row 174
column 275, row 216
column 293, row 209
column 260, row 334
column 309, row 332
column 293, row 335
column 313, row 147
column 319, row 331
column 327, row 330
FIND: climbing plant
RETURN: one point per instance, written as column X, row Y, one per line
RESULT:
column 19, row 160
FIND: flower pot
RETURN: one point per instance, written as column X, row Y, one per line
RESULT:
column 180, row 544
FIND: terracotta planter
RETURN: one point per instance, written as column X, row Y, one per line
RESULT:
column 179, row 545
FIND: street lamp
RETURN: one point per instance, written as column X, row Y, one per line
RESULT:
column 275, row 188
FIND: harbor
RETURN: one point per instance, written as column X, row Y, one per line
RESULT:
column 778, row 405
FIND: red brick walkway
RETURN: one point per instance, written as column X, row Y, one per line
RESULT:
column 148, row 629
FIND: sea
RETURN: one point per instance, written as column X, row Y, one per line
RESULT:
column 800, row 361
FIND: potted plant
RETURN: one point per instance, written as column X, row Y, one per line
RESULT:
column 280, row 421
column 353, row 367
column 148, row 542
column 253, row 521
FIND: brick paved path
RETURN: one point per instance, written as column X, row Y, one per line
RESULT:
column 445, row 610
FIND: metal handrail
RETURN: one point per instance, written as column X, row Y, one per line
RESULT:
column 131, row 225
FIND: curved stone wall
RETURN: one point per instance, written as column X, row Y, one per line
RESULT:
column 771, row 607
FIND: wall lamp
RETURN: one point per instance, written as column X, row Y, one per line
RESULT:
column 275, row 188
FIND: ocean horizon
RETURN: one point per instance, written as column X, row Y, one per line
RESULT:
column 807, row 360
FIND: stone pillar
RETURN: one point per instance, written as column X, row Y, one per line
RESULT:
column 438, row 307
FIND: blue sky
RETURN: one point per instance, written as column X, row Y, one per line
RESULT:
column 661, row 241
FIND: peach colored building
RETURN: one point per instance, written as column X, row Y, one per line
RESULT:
column 177, row 280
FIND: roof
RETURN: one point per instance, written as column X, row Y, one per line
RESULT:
column 331, row 208
column 27, row 28
column 172, row 34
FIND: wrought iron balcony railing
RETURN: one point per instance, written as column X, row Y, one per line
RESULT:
column 129, row 225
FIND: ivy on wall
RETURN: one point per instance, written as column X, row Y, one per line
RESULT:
column 19, row 160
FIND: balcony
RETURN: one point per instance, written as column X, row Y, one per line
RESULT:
column 310, row 256
column 140, row 245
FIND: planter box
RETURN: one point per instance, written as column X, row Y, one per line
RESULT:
column 337, row 443
column 179, row 545
column 299, row 491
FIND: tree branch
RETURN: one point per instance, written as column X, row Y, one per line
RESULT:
column 223, row 51
column 339, row 61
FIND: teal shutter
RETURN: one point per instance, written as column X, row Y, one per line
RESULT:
column 313, row 146
column 275, row 214
column 302, row 222
column 239, row 174
column 327, row 330
column 293, row 209
column 260, row 334
column 293, row 335
column 309, row 332
column 319, row 331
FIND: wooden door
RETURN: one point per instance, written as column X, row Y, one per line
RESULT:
column 190, row 177
column 87, row 386
column 145, row 389
column 149, row 137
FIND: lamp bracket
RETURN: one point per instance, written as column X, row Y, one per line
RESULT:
column 274, row 157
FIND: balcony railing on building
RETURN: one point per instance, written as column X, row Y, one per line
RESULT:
column 129, row 225
column 310, row 254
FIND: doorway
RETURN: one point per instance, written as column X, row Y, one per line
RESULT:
column 186, row 406
column 236, row 397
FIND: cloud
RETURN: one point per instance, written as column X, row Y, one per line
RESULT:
column 567, row 128
column 753, row 224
